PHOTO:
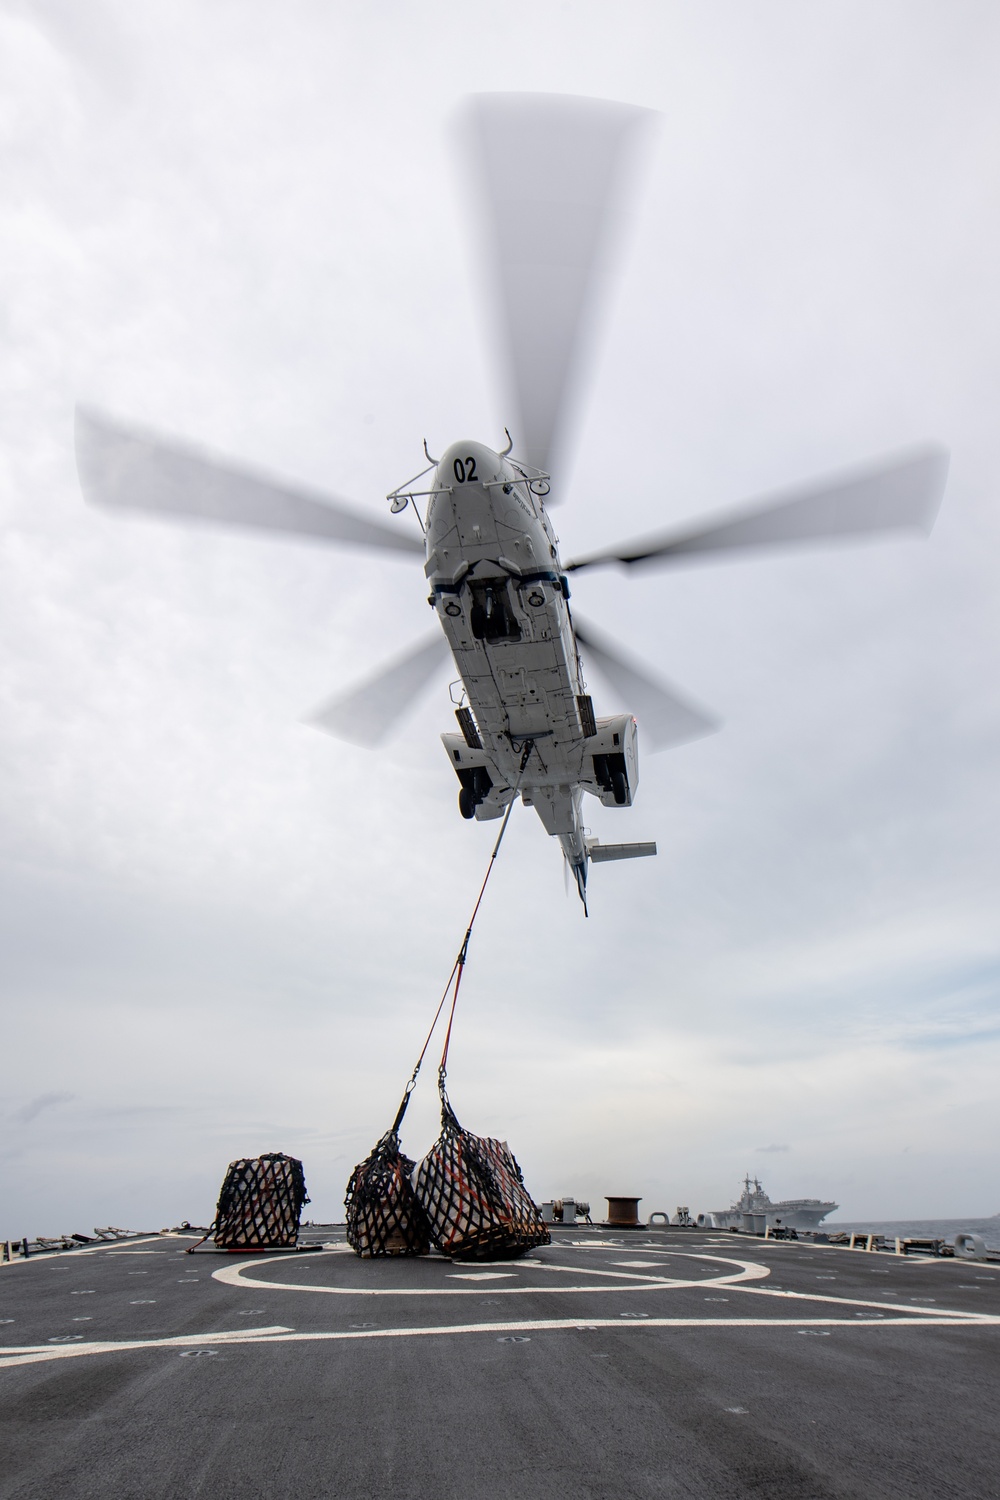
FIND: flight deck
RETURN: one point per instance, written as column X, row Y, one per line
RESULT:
column 642, row 1364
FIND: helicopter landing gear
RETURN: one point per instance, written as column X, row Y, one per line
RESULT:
column 611, row 776
column 476, row 787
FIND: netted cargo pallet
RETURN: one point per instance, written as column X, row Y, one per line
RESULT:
column 383, row 1214
column 474, row 1197
column 260, row 1203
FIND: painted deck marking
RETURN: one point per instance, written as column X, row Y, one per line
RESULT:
column 39, row 1353
column 835, row 1312
column 633, row 1281
column 480, row 1275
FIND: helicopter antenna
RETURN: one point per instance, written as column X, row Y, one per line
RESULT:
column 503, row 451
column 430, row 460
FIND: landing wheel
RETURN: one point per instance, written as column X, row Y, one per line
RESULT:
column 620, row 787
column 477, row 619
column 467, row 803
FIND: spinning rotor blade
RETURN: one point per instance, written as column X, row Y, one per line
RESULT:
column 126, row 470
column 552, row 169
column 900, row 495
column 366, row 714
column 664, row 717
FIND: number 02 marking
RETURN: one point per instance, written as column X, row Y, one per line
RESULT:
column 465, row 470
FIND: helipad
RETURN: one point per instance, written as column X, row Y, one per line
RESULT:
column 673, row 1363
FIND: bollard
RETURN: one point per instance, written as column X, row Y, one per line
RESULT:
column 623, row 1213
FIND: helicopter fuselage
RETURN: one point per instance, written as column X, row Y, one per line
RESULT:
column 503, row 602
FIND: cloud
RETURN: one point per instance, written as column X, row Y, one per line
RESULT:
column 34, row 1107
column 772, row 1148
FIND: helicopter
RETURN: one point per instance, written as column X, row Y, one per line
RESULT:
column 553, row 171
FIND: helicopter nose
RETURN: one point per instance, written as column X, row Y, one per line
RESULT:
column 468, row 463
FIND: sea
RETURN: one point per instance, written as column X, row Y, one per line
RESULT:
column 920, row 1229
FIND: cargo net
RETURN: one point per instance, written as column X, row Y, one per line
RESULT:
column 383, row 1214
column 474, row 1196
column 260, row 1203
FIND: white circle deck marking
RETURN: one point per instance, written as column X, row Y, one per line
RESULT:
column 606, row 1280
column 617, row 1281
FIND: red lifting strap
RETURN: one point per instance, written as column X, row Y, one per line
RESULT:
column 458, row 966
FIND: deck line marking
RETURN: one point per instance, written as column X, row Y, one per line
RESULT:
column 479, row 1275
column 747, row 1270
column 837, row 1301
column 940, row 1312
column 33, row 1354
column 40, row 1353
column 46, row 1257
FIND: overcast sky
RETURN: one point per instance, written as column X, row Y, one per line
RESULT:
column 223, row 933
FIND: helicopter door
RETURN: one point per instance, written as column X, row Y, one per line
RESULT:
column 491, row 617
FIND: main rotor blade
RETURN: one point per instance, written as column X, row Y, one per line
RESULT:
column 664, row 717
column 367, row 713
column 902, row 494
column 553, row 174
column 127, row 470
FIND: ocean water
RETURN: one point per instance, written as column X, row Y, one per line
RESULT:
column 921, row 1229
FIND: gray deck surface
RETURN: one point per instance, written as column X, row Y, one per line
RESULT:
column 651, row 1363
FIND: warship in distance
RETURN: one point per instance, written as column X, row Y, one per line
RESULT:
column 797, row 1213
